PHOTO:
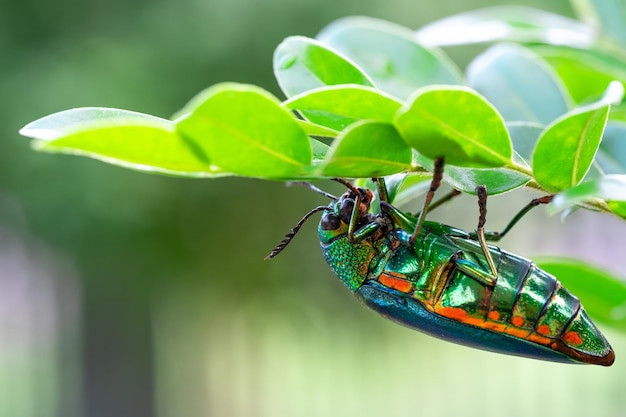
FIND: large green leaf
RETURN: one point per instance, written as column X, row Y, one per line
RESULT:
column 456, row 123
column 302, row 64
column 507, row 23
column 390, row 55
column 334, row 106
column 567, row 147
column 600, row 292
column 367, row 149
column 246, row 131
column 133, row 140
column 519, row 83
column 586, row 73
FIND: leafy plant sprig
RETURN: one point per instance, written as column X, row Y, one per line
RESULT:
column 369, row 98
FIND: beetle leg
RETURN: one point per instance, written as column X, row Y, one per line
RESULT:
column 364, row 231
column 481, row 192
column 471, row 269
column 434, row 184
column 354, row 217
column 496, row 236
column 443, row 200
column 383, row 195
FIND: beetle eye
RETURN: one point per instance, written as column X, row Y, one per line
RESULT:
column 330, row 221
column 345, row 211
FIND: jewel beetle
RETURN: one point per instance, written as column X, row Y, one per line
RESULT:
column 449, row 283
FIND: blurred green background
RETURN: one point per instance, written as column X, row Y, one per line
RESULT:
column 125, row 294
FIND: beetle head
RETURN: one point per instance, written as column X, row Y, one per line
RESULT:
column 336, row 220
column 337, row 215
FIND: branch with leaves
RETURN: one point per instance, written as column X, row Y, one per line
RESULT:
column 368, row 98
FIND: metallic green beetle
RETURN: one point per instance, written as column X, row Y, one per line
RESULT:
column 450, row 284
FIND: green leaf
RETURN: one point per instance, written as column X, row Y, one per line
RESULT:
column 567, row 147
column 329, row 105
column 602, row 294
column 497, row 180
column 611, row 188
column 246, row 131
column 456, row 123
column 507, row 23
column 132, row 140
column 605, row 15
column 302, row 64
column 586, row 73
column 519, row 83
column 367, row 149
column 390, row 55
column 524, row 136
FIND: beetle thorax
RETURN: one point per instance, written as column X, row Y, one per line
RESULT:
column 350, row 259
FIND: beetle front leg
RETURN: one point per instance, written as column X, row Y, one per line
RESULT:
column 475, row 271
column 364, row 232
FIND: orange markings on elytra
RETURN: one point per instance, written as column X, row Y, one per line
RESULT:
column 493, row 315
column 399, row 284
column 573, row 338
column 453, row 313
column 543, row 329
column 517, row 321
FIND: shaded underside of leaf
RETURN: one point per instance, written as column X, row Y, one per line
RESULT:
column 606, row 14
column 518, row 83
column 585, row 73
column 611, row 188
column 496, row 180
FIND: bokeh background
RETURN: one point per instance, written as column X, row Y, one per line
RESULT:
column 125, row 294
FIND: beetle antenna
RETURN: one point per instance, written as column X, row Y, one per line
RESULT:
column 312, row 187
column 292, row 233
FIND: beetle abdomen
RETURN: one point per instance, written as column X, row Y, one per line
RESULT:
column 414, row 314
column 526, row 303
